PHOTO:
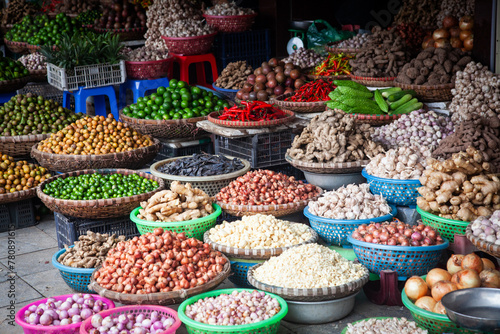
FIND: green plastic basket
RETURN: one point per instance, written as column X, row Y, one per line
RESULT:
column 435, row 323
column 269, row 326
column 344, row 331
column 446, row 227
column 193, row 228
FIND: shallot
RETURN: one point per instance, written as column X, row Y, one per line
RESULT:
column 133, row 323
column 487, row 229
column 403, row 163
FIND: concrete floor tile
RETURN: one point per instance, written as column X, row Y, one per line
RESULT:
column 22, row 292
column 27, row 240
column 32, row 263
column 48, row 283
column 4, row 273
column 5, row 324
column 48, row 225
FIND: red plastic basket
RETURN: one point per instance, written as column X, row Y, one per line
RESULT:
column 189, row 46
column 230, row 23
column 147, row 69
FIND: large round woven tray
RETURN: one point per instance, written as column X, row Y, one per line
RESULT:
column 482, row 245
column 125, row 34
column 374, row 82
column 133, row 159
column 277, row 210
column 328, row 167
column 255, row 254
column 38, row 75
column 209, row 184
column 303, row 107
column 17, row 196
column 310, row 295
column 99, row 208
column 230, row 23
column 212, row 117
column 328, row 77
column 435, row 93
column 374, row 119
column 188, row 46
column 168, row 129
column 16, row 47
column 8, row 86
column 160, row 298
column 20, row 146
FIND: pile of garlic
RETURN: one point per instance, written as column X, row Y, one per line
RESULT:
column 403, row 163
column 352, row 202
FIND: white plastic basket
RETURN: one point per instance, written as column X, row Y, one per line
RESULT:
column 87, row 76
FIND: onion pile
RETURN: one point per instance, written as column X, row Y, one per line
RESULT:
column 133, row 323
column 34, row 61
column 420, row 128
column 187, row 28
column 355, row 42
column 488, row 229
column 228, row 9
column 304, row 58
column 397, row 233
column 161, row 261
column 145, row 53
column 73, row 310
column 463, row 272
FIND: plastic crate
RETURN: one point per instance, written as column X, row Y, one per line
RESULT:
column 253, row 46
column 21, row 214
column 90, row 76
column 261, row 150
column 70, row 228
column 171, row 149
column 47, row 91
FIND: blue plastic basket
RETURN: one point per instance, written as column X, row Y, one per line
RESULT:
column 239, row 269
column 406, row 261
column 336, row 231
column 77, row 279
column 399, row 192
column 229, row 93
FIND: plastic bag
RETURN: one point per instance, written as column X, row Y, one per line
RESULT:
column 317, row 37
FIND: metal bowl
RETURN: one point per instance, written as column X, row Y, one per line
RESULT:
column 475, row 308
column 333, row 181
column 319, row 312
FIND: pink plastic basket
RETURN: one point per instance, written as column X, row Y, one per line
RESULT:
column 147, row 309
column 67, row 329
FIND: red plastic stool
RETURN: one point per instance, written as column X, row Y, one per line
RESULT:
column 199, row 61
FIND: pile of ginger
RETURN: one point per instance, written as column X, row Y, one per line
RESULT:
column 460, row 188
column 180, row 203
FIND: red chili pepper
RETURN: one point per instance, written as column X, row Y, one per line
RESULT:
column 313, row 91
column 252, row 111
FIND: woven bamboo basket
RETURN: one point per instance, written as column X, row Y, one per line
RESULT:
column 8, row 86
column 328, row 167
column 189, row 46
column 131, row 34
column 482, row 245
column 255, row 254
column 167, row 129
column 160, row 298
column 302, row 107
column 213, row 117
column 17, row 196
column 277, row 210
column 20, row 146
column 230, row 23
column 100, row 208
column 375, row 120
column 434, row 93
column 38, row 75
column 133, row 159
column 16, row 47
column 374, row 82
column 310, row 295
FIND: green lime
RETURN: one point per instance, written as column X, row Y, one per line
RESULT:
column 173, row 83
column 195, row 90
column 161, row 90
column 181, row 84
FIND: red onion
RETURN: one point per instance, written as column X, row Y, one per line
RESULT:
column 416, row 236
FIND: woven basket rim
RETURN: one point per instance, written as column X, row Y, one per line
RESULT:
column 280, row 100
column 24, row 138
column 38, row 71
column 98, row 202
column 229, row 16
column 14, row 43
column 312, row 294
column 253, row 124
column 269, row 207
column 387, row 180
column 481, row 244
column 17, row 196
column 190, row 38
column 326, row 165
column 154, row 170
column 380, row 117
column 449, row 85
column 91, row 157
column 179, row 294
column 372, row 78
column 156, row 122
column 136, row 29
column 7, row 83
column 256, row 254
column 149, row 62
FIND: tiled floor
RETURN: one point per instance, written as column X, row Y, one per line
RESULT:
column 37, row 278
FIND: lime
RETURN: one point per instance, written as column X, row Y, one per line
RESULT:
column 161, row 90
column 181, row 84
column 173, row 83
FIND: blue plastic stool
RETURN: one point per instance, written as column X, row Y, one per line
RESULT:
column 99, row 101
column 139, row 88
column 5, row 97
